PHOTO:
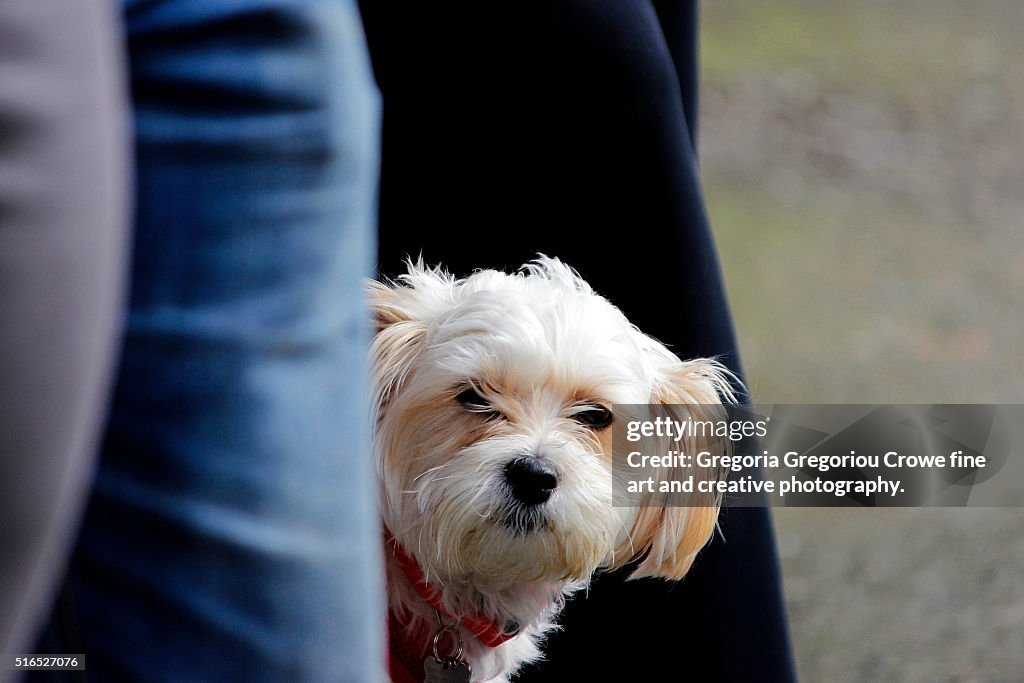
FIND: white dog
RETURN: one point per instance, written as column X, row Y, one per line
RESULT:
column 493, row 448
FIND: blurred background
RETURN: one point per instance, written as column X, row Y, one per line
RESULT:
column 864, row 170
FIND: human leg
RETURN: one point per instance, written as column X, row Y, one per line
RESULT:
column 231, row 534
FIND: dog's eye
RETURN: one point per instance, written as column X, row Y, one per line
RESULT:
column 470, row 399
column 594, row 416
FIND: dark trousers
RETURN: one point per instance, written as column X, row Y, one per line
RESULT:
column 567, row 127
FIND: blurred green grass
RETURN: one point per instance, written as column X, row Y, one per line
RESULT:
column 872, row 46
column 863, row 165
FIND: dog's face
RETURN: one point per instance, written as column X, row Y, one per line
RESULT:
column 494, row 425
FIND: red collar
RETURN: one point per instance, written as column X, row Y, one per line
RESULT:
column 489, row 632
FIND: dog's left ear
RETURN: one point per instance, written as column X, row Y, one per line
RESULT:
column 669, row 529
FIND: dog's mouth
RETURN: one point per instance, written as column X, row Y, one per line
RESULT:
column 523, row 520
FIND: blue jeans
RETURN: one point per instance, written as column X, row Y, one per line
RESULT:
column 231, row 534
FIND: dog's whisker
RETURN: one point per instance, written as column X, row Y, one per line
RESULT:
column 419, row 541
column 432, row 469
column 476, row 496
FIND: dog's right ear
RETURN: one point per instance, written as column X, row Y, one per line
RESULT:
column 397, row 339
column 387, row 304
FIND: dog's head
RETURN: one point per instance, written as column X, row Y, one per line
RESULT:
column 493, row 415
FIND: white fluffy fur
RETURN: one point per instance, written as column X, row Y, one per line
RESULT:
column 538, row 344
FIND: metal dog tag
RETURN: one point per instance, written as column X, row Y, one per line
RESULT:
column 453, row 672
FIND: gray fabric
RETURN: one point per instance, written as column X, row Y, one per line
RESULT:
column 63, row 239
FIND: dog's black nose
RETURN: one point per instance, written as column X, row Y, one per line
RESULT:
column 530, row 480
